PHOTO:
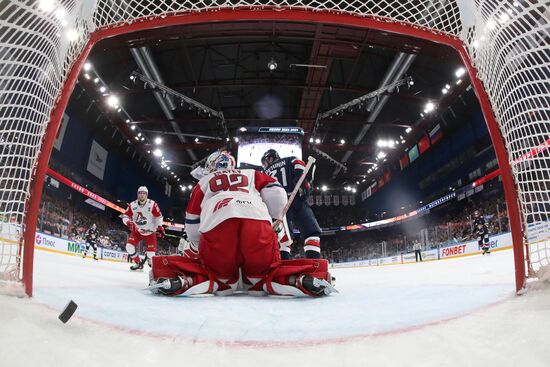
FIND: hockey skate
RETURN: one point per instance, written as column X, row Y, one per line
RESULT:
column 137, row 267
column 318, row 287
column 168, row 286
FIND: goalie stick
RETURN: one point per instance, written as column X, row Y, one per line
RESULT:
column 310, row 161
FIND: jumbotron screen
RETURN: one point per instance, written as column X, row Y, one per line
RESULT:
column 255, row 141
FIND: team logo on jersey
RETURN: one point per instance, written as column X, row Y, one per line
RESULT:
column 141, row 220
column 222, row 203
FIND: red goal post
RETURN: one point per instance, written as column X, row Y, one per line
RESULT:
column 503, row 44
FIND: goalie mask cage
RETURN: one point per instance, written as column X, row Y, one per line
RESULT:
column 503, row 44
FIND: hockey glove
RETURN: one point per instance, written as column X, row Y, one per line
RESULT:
column 161, row 232
column 131, row 226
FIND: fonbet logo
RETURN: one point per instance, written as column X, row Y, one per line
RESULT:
column 222, row 203
column 38, row 239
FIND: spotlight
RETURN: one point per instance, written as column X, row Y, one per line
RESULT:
column 96, row 80
column 460, row 71
column 157, row 152
column 381, row 155
column 317, row 141
column 87, row 76
column 112, row 101
column 158, row 140
column 444, row 90
column 342, row 141
column 409, row 129
column 196, row 140
column 132, row 77
column 102, row 89
column 87, row 66
column 311, row 140
column 190, row 187
column 72, row 35
column 430, row 106
column 183, row 188
column 133, row 127
column 324, row 188
column 272, row 64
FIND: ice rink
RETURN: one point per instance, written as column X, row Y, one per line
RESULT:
column 460, row 312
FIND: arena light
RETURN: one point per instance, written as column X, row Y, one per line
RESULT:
column 317, row 141
column 459, row 72
column 158, row 140
column 342, row 141
column 60, row 14
column 381, row 143
column 190, row 187
column 157, row 153
column 236, row 140
column 196, row 140
column 183, row 188
column 458, row 81
column 430, row 106
column 137, row 138
column 87, row 66
column 272, row 64
column 46, row 5
column 444, row 90
column 381, row 155
column 133, row 127
column 390, row 143
column 139, row 134
column 87, row 76
column 311, row 140
column 102, row 89
column 324, row 188
column 112, row 101
column 354, row 190
column 72, row 35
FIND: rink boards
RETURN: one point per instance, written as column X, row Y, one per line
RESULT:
column 51, row 243
column 497, row 243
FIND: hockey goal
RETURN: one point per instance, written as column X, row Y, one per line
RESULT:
column 504, row 45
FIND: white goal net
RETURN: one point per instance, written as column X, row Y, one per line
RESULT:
column 507, row 42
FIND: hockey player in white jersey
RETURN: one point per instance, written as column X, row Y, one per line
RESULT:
column 144, row 219
column 229, row 225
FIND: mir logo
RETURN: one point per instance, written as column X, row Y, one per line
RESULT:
column 73, row 247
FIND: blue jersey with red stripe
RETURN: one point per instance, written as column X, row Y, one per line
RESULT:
column 288, row 171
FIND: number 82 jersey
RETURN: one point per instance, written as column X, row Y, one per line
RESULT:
column 226, row 194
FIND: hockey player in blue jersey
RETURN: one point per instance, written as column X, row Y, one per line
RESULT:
column 288, row 171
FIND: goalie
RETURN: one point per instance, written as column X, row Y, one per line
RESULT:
column 229, row 216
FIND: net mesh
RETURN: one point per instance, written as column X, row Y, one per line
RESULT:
column 508, row 43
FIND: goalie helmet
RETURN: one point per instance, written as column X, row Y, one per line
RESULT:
column 218, row 161
column 271, row 153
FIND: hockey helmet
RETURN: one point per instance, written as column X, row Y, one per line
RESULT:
column 219, row 160
column 271, row 153
column 143, row 189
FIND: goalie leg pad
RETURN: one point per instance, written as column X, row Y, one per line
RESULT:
column 299, row 278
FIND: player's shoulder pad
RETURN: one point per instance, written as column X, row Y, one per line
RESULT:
column 298, row 161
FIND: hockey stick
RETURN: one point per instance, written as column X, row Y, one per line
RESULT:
column 310, row 161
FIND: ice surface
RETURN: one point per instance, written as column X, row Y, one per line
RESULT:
column 453, row 312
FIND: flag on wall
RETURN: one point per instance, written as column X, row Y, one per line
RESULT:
column 413, row 153
column 436, row 133
column 336, row 200
column 97, row 161
column 423, row 144
column 352, row 200
column 404, row 162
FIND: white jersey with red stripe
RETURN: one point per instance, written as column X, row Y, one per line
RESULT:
column 146, row 217
column 236, row 193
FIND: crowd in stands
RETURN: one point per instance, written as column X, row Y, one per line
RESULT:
column 455, row 225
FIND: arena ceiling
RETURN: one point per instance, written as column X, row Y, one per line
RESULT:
column 225, row 66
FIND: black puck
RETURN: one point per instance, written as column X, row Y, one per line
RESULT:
column 68, row 312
